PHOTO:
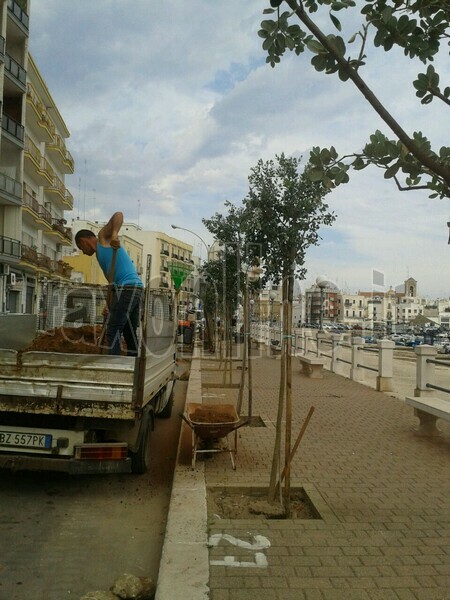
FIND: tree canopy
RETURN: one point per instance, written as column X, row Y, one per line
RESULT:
column 420, row 28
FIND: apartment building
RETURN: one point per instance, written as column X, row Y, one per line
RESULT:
column 33, row 163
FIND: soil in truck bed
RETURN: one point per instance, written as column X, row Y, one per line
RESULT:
column 69, row 340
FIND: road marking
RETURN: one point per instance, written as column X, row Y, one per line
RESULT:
column 260, row 543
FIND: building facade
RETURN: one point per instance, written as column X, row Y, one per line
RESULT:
column 33, row 163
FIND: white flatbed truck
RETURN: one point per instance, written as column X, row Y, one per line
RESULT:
column 88, row 413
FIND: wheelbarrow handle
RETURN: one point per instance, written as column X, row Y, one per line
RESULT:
column 185, row 420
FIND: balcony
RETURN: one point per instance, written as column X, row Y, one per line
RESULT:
column 58, row 226
column 60, row 154
column 36, row 166
column 10, row 190
column 37, row 211
column 30, row 255
column 165, row 252
column 18, row 16
column 38, row 118
column 14, row 129
column 16, row 73
column 10, row 246
column 58, row 188
column 164, row 284
column 44, row 261
column 59, row 267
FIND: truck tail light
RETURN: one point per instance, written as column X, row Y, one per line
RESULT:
column 112, row 451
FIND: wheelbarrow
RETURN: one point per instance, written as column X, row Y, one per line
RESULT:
column 210, row 422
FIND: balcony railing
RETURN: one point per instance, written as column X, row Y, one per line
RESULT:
column 61, row 268
column 2, row 46
column 16, row 70
column 19, row 13
column 30, row 202
column 10, row 186
column 58, row 225
column 13, row 127
column 29, row 254
column 10, row 246
column 165, row 252
column 58, row 144
column 44, row 261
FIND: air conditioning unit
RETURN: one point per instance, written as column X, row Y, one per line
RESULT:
column 12, row 279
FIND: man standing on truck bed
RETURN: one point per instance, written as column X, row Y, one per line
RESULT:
column 126, row 288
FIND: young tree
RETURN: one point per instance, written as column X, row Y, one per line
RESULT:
column 228, row 230
column 283, row 212
column 419, row 27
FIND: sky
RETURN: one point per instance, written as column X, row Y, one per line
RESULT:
column 170, row 104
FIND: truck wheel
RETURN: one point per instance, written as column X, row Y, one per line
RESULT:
column 166, row 412
column 140, row 459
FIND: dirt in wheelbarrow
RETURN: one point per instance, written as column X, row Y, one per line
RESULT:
column 211, row 415
column 248, row 503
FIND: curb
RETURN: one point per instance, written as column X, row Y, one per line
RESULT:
column 184, row 566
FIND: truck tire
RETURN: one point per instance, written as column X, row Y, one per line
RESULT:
column 166, row 412
column 140, row 459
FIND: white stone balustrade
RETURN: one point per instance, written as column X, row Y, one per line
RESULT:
column 425, row 371
column 385, row 365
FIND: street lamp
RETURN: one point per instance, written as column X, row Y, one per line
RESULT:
column 196, row 235
column 323, row 282
column 272, row 296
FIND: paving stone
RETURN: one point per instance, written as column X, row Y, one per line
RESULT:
column 385, row 526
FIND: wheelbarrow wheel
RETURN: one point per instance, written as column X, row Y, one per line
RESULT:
column 140, row 460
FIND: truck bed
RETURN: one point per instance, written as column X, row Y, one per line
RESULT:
column 80, row 385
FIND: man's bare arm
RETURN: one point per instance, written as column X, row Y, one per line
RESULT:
column 109, row 234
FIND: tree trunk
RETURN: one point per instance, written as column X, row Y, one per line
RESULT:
column 244, row 353
column 288, row 289
column 276, row 459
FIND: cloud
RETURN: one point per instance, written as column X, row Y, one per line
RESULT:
column 170, row 105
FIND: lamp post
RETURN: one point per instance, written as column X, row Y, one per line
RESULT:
column 196, row 235
column 272, row 296
column 323, row 282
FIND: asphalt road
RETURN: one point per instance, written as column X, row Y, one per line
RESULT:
column 62, row 536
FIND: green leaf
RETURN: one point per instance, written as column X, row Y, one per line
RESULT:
column 336, row 22
column 315, row 46
column 391, row 171
column 316, row 174
column 268, row 25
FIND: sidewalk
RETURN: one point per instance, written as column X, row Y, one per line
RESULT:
column 382, row 493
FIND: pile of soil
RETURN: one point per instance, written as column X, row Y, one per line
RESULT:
column 69, row 340
column 248, row 504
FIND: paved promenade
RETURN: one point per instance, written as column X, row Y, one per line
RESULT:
column 382, row 493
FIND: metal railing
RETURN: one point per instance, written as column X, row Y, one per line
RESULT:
column 16, row 70
column 10, row 186
column 440, row 363
column 13, row 127
column 10, row 246
column 19, row 13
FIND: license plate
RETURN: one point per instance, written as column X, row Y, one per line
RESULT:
column 19, row 439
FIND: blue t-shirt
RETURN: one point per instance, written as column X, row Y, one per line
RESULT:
column 124, row 269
